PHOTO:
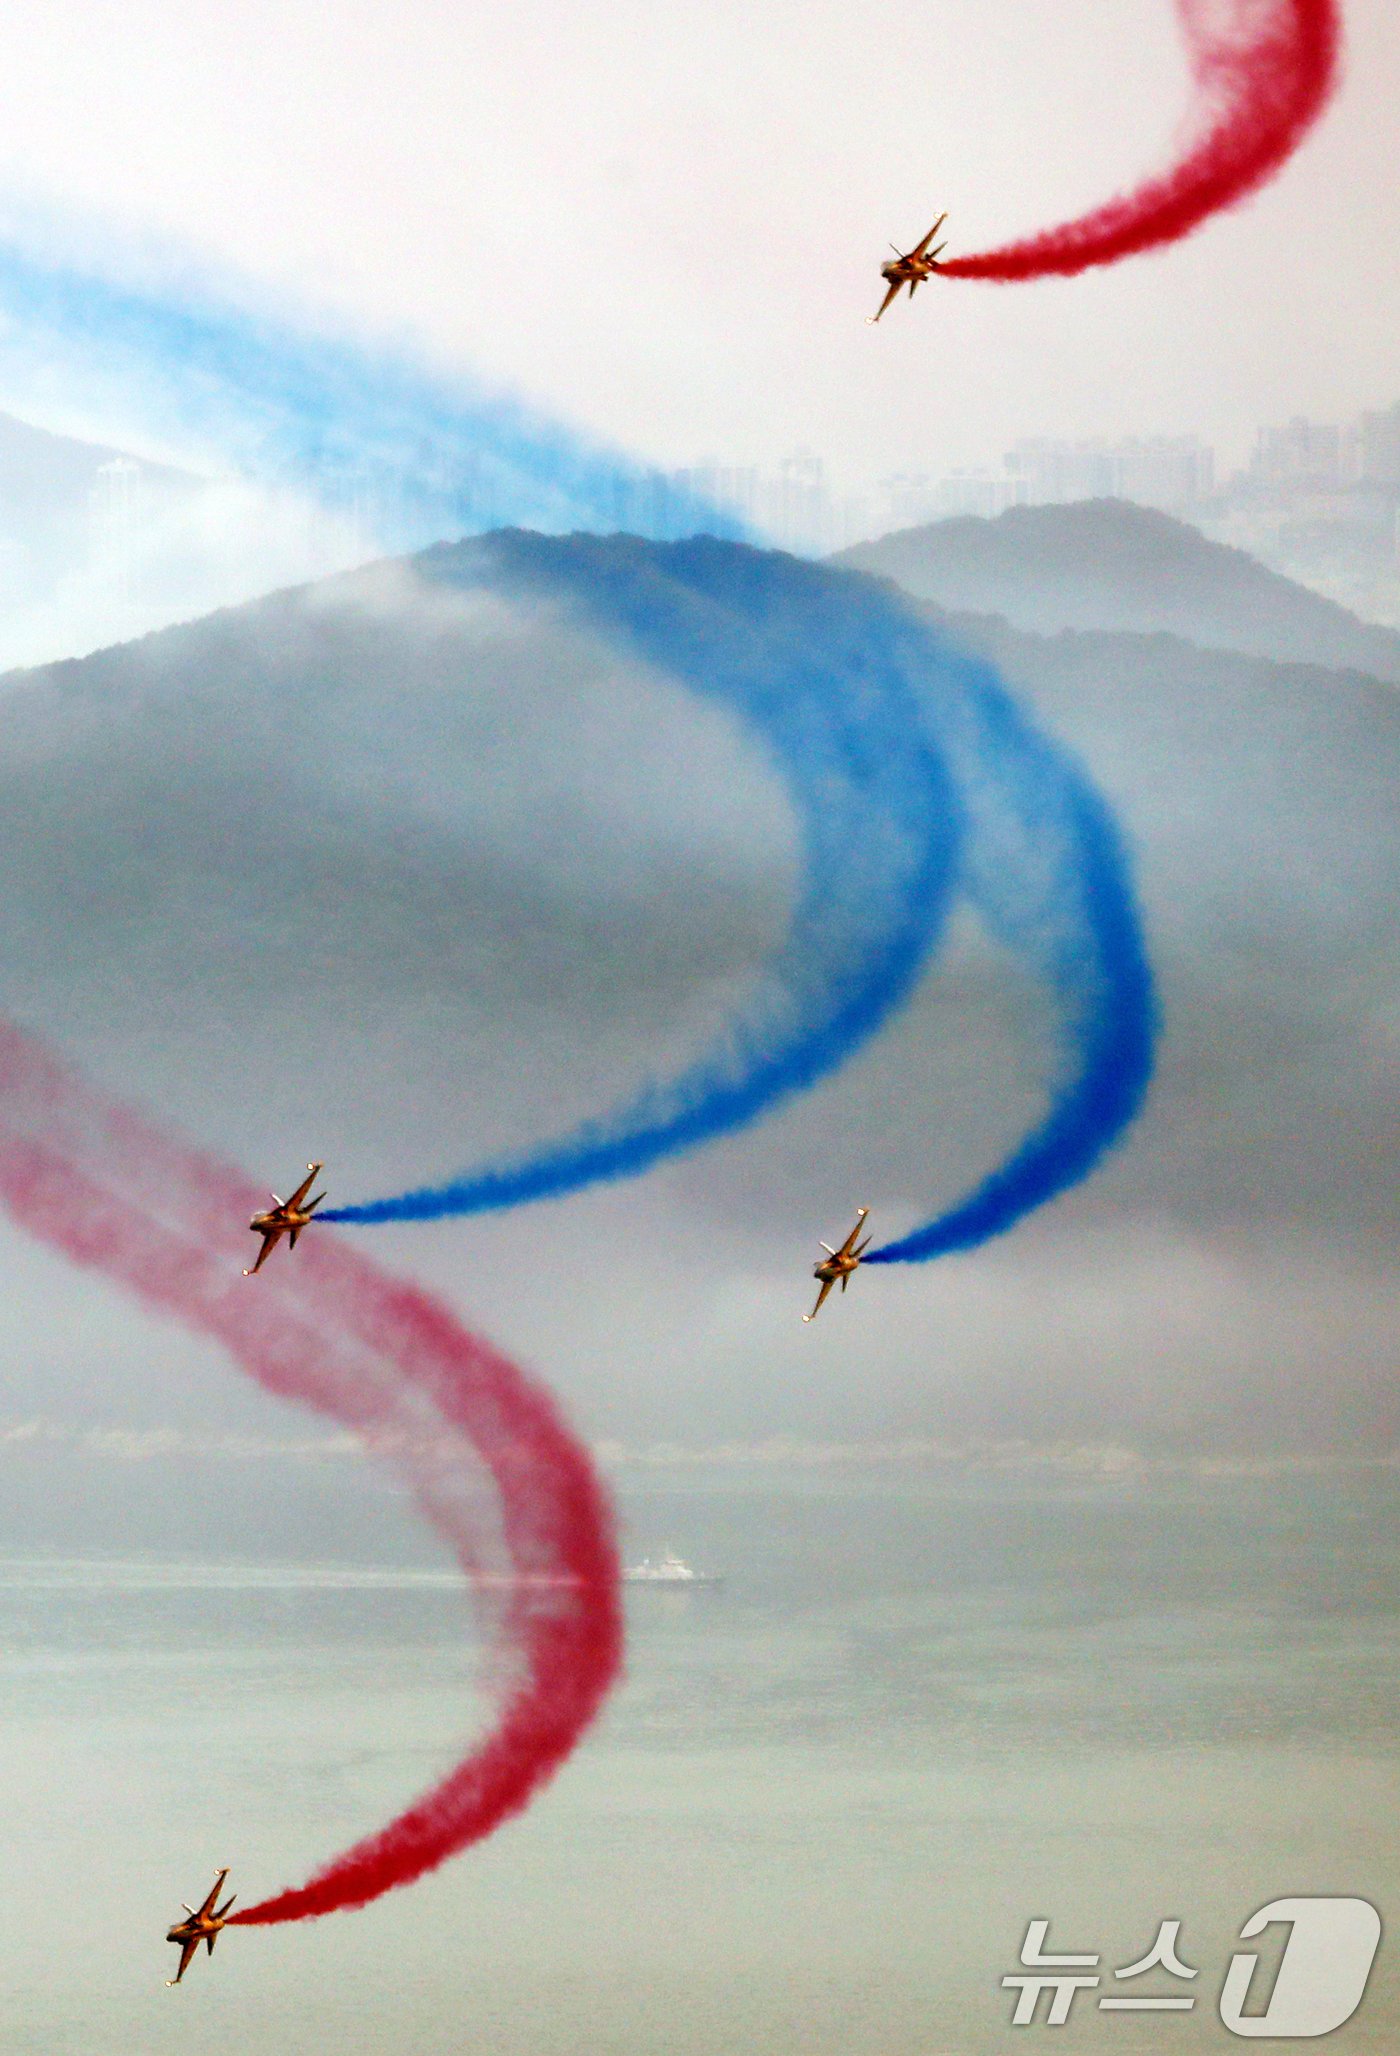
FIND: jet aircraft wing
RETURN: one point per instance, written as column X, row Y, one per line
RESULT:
column 190, row 1948
column 269, row 1241
column 305, row 1186
column 921, row 248
column 214, row 1891
column 827, row 1284
column 892, row 294
column 849, row 1244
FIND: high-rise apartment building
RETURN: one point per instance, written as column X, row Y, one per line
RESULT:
column 115, row 510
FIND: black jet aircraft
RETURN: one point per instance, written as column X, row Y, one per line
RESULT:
column 910, row 268
column 839, row 1263
column 285, row 1217
column 203, row 1926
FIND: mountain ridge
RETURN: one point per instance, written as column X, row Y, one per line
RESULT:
column 367, row 872
column 1112, row 566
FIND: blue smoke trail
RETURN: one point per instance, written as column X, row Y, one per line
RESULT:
column 434, row 454
column 911, row 772
column 817, row 669
column 1045, row 869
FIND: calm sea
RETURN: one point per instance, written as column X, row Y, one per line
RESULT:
column 922, row 1710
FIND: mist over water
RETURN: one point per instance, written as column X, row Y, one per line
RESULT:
column 922, row 1709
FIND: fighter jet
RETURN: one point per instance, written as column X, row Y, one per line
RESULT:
column 839, row 1263
column 203, row 1926
column 285, row 1217
column 910, row 269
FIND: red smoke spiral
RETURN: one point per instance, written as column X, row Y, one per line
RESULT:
column 1264, row 71
column 118, row 1195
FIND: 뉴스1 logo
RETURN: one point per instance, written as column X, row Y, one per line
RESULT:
column 1320, row 1981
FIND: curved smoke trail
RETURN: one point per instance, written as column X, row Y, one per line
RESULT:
column 1046, row 871
column 899, row 754
column 856, row 703
column 914, row 775
column 444, row 453
column 826, row 674
column 1264, row 70
column 434, row 453
column 118, row 1195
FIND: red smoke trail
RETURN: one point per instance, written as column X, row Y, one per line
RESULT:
column 102, row 1185
column 1264, row 71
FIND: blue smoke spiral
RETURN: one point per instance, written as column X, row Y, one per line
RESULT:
column 1045, row 869
column 819, row 674
column 913, row 775
column 914, row 778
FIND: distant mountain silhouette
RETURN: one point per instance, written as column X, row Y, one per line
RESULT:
column 53, row 532
column 1110, row 565
column 394, row 876
column 45, row 479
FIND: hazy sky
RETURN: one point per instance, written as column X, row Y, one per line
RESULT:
column 665, row 223
column 440, row 914
column 496, row 185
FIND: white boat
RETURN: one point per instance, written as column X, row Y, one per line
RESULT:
column 669, row 1569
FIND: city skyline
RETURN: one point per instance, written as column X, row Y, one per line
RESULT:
column 1316, row 500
